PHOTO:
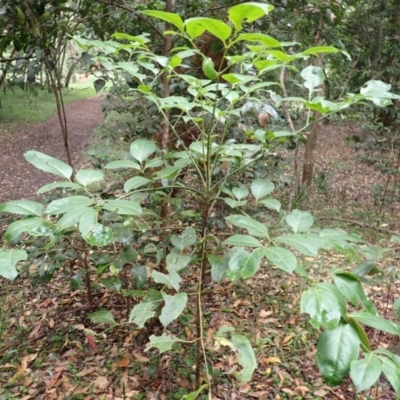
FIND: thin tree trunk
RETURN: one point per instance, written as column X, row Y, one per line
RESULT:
column 308, row 164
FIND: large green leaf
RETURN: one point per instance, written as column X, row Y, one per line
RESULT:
column 282, row 258
column 88, row 222
column 365, row 345
column 240, row 192
column 172, row 18
column 185, row 240
column 392, row 373
column 268, row 41
column 99, row 235
column 302, row 243
column 246, row 358
column 56, row 185
column 376, row 322
column 102, row 317
column 141, row 149
column 250, row 11
column 300, row 221
column 351, row 288
column 172, row 279
column 272, row 204
column 243, row 240
column 72, row 217
column 261, row 188
column 219, row 266
column 16, row 228
column 23, row 207
column 123, row 207
column 254, row 227
column 336, row 350
column 243, row 264
column 313, row 76
column 67, row 204
column 135, row 182
column 88, row 176
column 365, row 372
column 325, row 305
column 176, row 261
column 174, row 305
column 196, row 26
column 143, row 312
column 48, row 164
column 8, row 262
column 163, row 343
column 122, row 164
column 336, row 238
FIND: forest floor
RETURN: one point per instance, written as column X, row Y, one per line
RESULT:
column 50, row 350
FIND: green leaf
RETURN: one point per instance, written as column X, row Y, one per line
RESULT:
column 366, row 267
column 253, row 227
column 48, row 164
column 259, row 37
column 72, row 217
column 185, row 240
column 243, row 240
column 143, row 312
column 88, row 176
column 67, row 204
column 168, row 172
column 88, row 222
column 163, row 343
column 365, row 345
column 135, row 183
column 365, row 372
column 172, row 279
column 246, row 358
column 248, row 11
column 139, row 275
column 325, row 305
column 8, row 262
column 336, row 238
column 320, row 49
column 154, row 163
column 123, row 207
column 176, row 261
column 16, row 228
column 173, row 308
column 233, row 203
column 56, row 185
column 99, row 235
column 244, row 264
column 300, row 243
column 23, row 207
column 219, row 266
column 122, row 164
column 300, row 221
column 102, row 317
column 351, row 288
column 194, row 395
column 261, row 188
column 376, row 322
column 196, row 26
column 313, row 76
column 282, row 258
column 141, row 149
column 240, row 192
column 174, row 19
column 272, row 204
column 336, row 350
column 392, row 373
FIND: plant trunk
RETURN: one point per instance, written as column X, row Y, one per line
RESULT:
column 308, row 165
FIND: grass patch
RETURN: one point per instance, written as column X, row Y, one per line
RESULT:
column 19, row 106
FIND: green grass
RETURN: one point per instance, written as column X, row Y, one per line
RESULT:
column 19, row 106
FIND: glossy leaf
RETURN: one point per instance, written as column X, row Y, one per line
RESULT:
column 282, row 258
column 246, row 358
column 88, row 221
column 141, row 149
column 376, row 322
column 300, row 221
column 123, row 207
column 261, row 188
column 172, row 18
column 325, row 305
column 365, row 372
column 365, row 345
column 392, row 373
column 48, row 164
column 88, row 176
column 8, row 262
column 67, row 204
column 336, row 350
column 122, row 164
column 102, row 317
column 185, row 240
column 251, row 225
column 16, row 228
column 23, row 207
column 72, row 217
column 135, row 182
column 99, row 235
column 173, row 308
column 250, row 12
column 57, row 185
column 243, row 264
column 196, row 26
column 243, row 240
column 300, row 243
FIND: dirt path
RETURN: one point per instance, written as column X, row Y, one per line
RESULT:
column 18, row 178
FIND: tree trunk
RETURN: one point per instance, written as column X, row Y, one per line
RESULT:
column 308, row 165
